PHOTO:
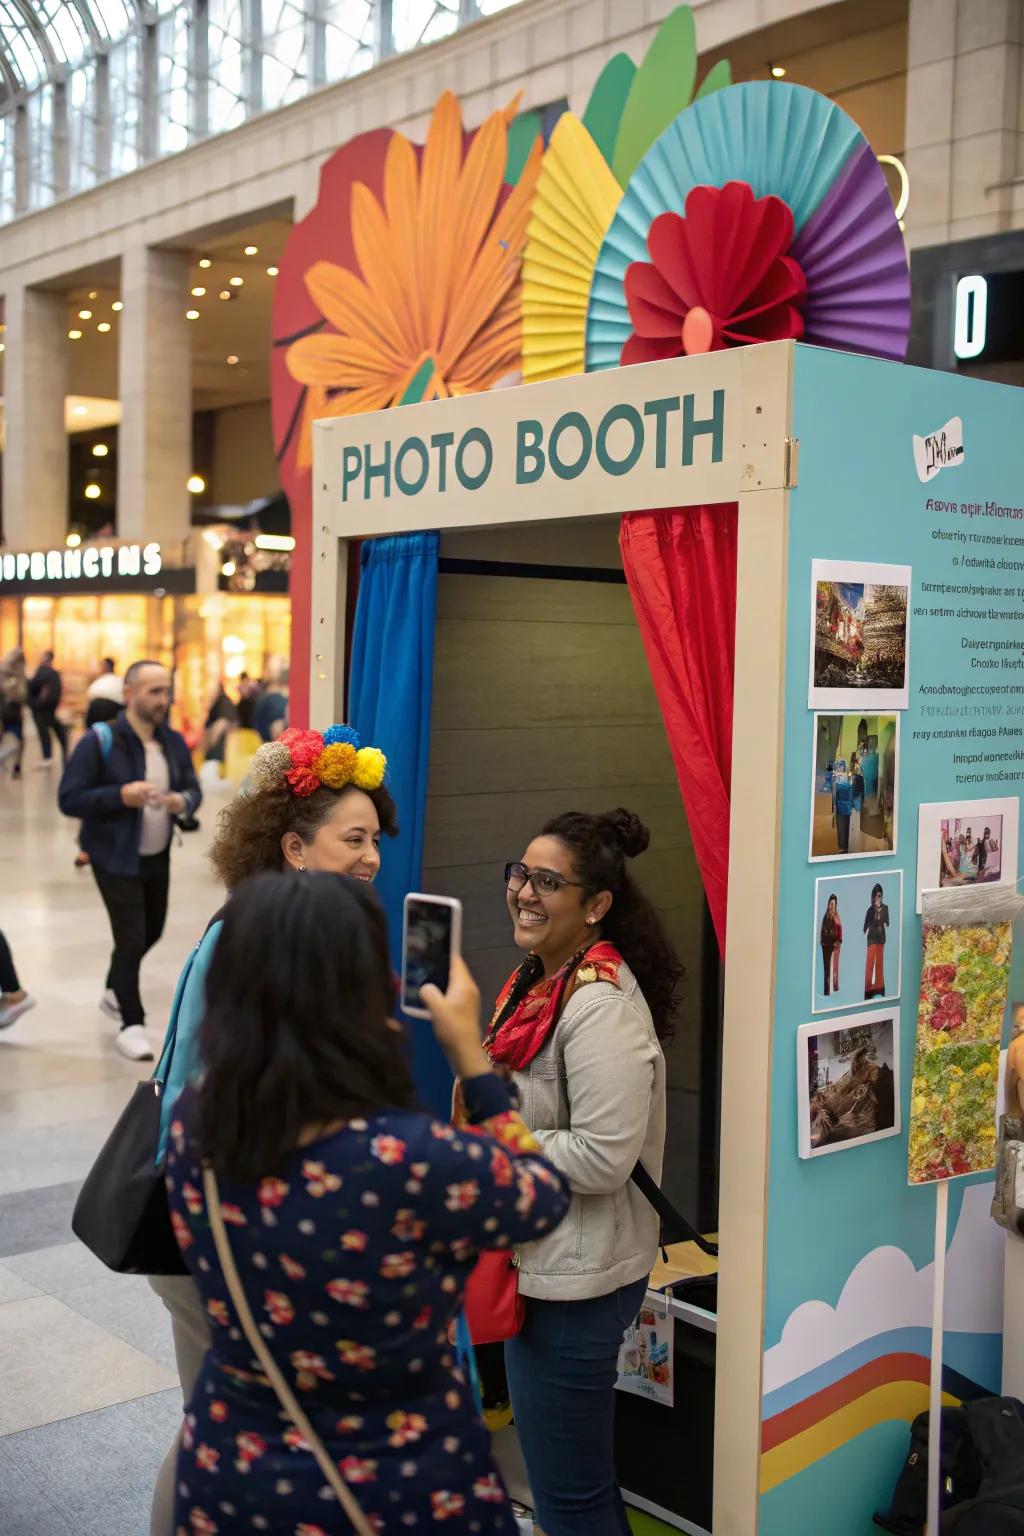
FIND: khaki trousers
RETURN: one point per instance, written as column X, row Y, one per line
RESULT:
column 191, row 1341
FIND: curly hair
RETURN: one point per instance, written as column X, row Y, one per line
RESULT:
column 250, row 827
column 600, row 846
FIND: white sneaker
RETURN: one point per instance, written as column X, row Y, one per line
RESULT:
column 133, row 1043
column 110, row 1006
column 15, row 1010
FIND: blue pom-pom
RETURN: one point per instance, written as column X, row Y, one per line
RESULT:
column 341, row 733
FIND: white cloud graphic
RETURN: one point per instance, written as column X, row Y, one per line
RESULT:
column 885, row 1292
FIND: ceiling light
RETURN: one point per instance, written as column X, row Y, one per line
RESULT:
column 228, row 568
column 100, row 450
column 236, row 282
column 191, row 314
column 94, row 294
column 80, row 410
column 252, row 250
column 198, row 293
column 277, row 541
column 3, row 327
column 232, row 360
column 104, row 326
column 272, row 271
column 85, row 314
column 93, row 491
column 74, row 335
column 778, row 71
column 224, row 294
column 2, row 347
column 117, row 306
column 204, row 262
column 196, row 484
column 73, row 540
column 214, row 539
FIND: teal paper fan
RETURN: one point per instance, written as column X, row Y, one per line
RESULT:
column 778, row 138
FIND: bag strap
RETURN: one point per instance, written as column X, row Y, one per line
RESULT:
column 668, row 1213
column 105, row 737
column 285, row 1395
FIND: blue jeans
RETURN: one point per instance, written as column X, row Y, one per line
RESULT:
column 561, row 1377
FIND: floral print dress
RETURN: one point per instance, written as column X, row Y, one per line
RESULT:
column 354, row 1257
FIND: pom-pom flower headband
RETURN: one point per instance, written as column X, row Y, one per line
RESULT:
column 305, row 761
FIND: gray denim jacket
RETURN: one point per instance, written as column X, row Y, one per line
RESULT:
column 594, row 1097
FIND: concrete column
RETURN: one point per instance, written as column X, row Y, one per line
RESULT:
column 155, row 386
column 35, row 467
column 964, row 145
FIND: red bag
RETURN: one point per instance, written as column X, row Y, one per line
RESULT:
column 495, row 1311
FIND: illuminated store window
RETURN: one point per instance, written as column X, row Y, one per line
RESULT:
column 94, row 88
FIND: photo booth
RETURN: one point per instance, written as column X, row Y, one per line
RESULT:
column 495, row 654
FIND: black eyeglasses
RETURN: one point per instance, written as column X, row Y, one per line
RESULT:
column 544, row 881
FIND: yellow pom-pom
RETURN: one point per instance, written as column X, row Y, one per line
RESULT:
column 336, row 765
column 370, row 767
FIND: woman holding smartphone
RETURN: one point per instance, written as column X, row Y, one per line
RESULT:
column 311, row 802
column 353, row 1220
column 579, row 1028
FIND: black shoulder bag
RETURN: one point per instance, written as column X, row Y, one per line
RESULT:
column 121, row 1212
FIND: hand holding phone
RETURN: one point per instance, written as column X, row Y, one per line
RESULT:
column 455, row 1014
column 431, row 936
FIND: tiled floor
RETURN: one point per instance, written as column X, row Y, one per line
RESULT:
column 88, row 1399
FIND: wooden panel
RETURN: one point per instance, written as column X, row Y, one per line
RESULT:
column 537, row 672
column 593, row 542
column 555, row 601
column 482, row 828
column 465, row 760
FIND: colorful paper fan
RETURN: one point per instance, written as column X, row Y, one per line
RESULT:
column 795, row 144
column 576, row 197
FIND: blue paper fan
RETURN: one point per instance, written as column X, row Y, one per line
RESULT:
column 779, row 138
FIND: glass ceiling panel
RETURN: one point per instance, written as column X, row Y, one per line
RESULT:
column 35, row 35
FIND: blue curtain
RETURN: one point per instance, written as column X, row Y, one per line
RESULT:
column 390, row 684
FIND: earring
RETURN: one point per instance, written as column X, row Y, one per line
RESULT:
column 302, row 869
column 591, row 919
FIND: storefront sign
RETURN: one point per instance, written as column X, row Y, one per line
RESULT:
column 122, row 567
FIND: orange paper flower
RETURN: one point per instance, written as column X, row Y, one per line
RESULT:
column 438, row 306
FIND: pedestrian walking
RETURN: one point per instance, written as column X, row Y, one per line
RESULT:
column 129, row 782
column 45, row 690
column 104, row 697
column 13, row 698
column 14, row 1000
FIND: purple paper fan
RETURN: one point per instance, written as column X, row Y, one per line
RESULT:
column 852, row 254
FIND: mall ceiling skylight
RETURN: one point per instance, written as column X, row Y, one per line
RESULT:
column 39, row 38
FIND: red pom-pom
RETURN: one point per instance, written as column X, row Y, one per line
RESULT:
column 304, row 747
column 303, row 781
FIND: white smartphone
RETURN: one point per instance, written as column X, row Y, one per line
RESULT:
column 431, row 935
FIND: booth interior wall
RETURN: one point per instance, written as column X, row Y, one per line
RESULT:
column 543, row 702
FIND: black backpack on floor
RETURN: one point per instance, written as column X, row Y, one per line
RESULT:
column 982, row 1473
column 996, row 1427
column 961, row 1474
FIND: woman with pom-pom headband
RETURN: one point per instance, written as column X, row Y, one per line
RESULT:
column 310, row 801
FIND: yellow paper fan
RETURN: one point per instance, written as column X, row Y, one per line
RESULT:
column 574, row 203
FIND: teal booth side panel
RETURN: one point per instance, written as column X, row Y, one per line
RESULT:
column 850, row 1243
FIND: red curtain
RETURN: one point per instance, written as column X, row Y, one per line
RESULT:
column 681, row 567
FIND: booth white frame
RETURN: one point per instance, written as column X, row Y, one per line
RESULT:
column 756, row 468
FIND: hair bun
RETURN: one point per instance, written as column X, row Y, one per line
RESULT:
column 628, row 830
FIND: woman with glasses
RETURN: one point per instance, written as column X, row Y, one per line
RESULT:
column 579, row 1028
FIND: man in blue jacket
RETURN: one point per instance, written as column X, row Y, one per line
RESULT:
column 129, row 782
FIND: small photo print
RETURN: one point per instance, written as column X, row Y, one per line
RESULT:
column 848, row 1082
column 860, row 638
column 857, row 940
column 966, row 842
column 855, row 779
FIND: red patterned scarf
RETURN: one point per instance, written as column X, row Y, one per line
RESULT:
column 530, row 1003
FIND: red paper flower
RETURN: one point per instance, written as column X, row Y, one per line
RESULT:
column 720, row 277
